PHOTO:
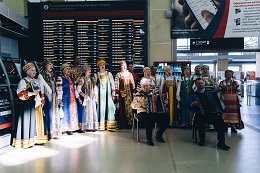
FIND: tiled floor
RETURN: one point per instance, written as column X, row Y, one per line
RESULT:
column 116, row 152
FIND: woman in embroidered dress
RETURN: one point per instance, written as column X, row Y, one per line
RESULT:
column 184, row 91
column 125, row 87
column 51, row 111
column 231, row 116
column 169, row 89
column 106, row 96
column 30, row 126
column 87, row 90
column 153, row 86
column 69, row 122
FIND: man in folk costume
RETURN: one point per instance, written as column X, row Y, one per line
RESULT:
column 209, row 85
column 231, row 116
column 125, row 87
column 141, row 105
column 184, row 91
column 153, row 86
column 130, row 68
column 159, row 80
column 197, row 73
column 106, row 94
column 51, row 111
column 30, row 125
column 201, row 116
column 169, row 89
column 69, row 122
column 209, row 82
column 77, row 70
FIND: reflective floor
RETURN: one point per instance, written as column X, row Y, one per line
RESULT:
column 116, row 152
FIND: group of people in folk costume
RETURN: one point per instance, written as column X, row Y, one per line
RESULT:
column 78, row 101
column 74, row 101
column 227, row 88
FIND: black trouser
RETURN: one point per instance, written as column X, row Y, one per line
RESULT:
column 149, row 119
column 216, row 120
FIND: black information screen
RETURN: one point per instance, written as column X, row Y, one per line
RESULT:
column 217, row 44
column 113, row 31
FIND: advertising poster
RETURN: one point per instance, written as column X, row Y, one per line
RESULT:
column 215, row 18
column 252, row 75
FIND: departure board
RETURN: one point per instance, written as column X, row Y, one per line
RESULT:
column 127, row 41
column 93, row 40
column 139, row 40
column 58, row 41
column 116, row 33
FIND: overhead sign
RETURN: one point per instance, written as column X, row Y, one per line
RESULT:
column 217, row 44
column 215, row 18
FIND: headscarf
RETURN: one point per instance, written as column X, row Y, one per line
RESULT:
column 64, row 66
column 86, row 67
column 146, row 68
column 122, row 62
column 145, row 81
column 46, row 62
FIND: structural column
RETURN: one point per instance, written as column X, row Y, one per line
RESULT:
column 222, row 65
column 160, row 42
column 257, row 73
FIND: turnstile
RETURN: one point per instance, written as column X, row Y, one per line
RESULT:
column 9, row 79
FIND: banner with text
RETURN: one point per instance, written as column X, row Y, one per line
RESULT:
column 215, row 18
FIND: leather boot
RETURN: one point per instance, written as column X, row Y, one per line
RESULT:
column 201, row 142
column 222, row 146
column 233, row 130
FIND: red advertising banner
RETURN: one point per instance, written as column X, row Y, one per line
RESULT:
column 252, row 75
column 215, row 18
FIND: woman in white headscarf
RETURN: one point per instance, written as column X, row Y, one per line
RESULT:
column 30, row 126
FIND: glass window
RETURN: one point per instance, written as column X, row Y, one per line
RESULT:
column 209, row 54
column 183, row 44
column 235, row 53
column 248, row 67
column 233, row 68
column 2, row 77
column 211, row 67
